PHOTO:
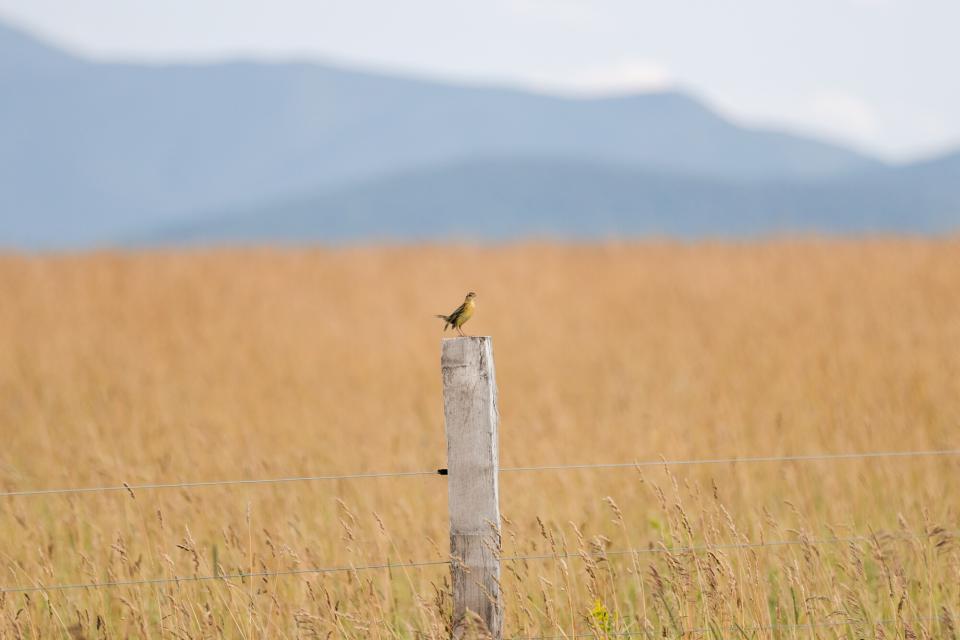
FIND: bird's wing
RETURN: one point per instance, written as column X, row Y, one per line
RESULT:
column 456, row 314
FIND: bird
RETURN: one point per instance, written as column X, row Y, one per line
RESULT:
column 461, row 314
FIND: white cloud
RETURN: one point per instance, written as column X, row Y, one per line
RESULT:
column 827, row 112
column 842, row 114
column 622, row 76
column 569, row 12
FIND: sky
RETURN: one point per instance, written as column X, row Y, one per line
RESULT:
column 880, row 75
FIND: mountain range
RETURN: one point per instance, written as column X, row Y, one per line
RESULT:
column 96, row 153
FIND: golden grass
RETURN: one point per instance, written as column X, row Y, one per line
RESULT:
column 263, row 363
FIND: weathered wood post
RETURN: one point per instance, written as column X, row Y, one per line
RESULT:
column 471, row 417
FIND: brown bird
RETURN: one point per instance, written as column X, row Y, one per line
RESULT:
column 461, row 315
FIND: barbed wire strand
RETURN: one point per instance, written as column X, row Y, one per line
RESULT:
column 747, row 545
column 726, row 547
column 222, row 576
column 213, row 483
column 559, row 467
column 425, row 563
column 769, row 627
column 705, row 461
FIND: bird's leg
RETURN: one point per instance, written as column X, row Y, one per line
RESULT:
column 460, row 331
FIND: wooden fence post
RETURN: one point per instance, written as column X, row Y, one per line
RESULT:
column 471, row 418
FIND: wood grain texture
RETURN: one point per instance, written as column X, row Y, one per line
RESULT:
column 472, row 419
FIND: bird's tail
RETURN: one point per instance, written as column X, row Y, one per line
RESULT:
column 446, row 321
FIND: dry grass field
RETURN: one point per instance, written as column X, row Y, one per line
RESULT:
column 230, row 364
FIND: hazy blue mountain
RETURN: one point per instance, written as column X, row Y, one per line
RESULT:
column 19, row 53
column 501, row 198
column 91, row 151
column 938, row 176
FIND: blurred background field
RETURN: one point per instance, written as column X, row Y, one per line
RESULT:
column 258, row 363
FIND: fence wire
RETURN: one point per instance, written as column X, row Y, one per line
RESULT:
column 438, row 562
column 222, row 576
column 707, row 461
column 213, row 483
column 558, row 467
column 724, row 547
column 738, row 628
